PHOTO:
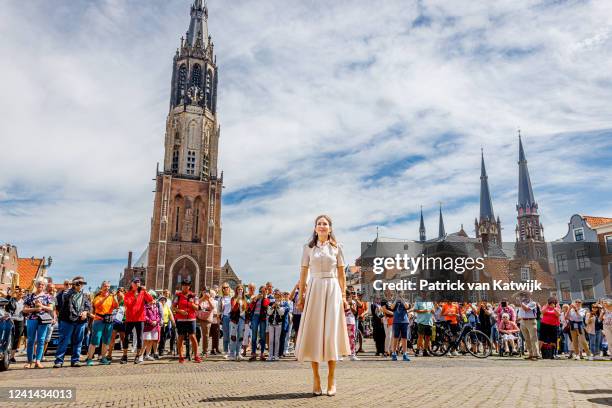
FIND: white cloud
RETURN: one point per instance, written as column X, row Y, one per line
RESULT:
column 322, row 95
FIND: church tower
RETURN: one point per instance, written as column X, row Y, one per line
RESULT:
column 186, row 224
column 530, row 243
column 488, row 229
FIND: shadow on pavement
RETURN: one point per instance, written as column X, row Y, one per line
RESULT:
column 261, row 397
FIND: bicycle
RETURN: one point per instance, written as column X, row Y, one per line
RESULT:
column 469, row 340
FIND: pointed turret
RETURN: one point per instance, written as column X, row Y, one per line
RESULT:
column 441, row 231
column 198, row 26
column 486, row 204
column 422, row 236
column 525, row 192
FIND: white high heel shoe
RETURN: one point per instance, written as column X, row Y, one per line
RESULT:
column 332, row 391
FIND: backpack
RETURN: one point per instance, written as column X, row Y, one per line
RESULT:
column 70, row 311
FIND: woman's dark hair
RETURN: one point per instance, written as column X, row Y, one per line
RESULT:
column 315, row 237
column 552, row 300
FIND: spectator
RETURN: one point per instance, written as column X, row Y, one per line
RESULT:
column 258, row 310
column 508, row 332
column 214, row 324
column 527, row 314
column 387, row 321
column 424, row 318
column 594, row 327
column 134, row 301
column 104, row 304
column 400, row 327
column 225, row 307
column 549, row 326
column 167, row 328
column 377, row 326
column 205, row 315
column 350, row 309
column 38, row 306
column 150, row 334
column 575, row 316
column 18, row 321
column 452, row 313
column 237, row 317
column 118, row 323
column 185, row 305
column 607, row 322
column 51, row 291
column 73, row 309
column 275, row 320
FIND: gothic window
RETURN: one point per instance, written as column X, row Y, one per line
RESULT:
column 191, row 159
column 175, row 161
column 197, row 221
column 205, row 165
column 208, row 90
column 191, row 138
column 182, row 81
column 196, row 76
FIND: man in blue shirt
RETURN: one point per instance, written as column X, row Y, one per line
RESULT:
column 424, row 317
column 400, row 327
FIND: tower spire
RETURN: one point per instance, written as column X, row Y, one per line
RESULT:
column 422, row 236
column 441, row 231
column 198, row 26
column 486, row 204
column 525, row 192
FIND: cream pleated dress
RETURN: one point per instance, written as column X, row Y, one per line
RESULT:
column 322, row 335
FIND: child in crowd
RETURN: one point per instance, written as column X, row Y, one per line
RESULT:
column 276, row 313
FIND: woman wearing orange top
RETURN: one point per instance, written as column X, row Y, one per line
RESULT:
column 104, row 304
column 451, row 311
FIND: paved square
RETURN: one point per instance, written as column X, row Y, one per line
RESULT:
column 373, row 381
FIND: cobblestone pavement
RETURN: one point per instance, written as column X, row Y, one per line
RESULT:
column 422, row 382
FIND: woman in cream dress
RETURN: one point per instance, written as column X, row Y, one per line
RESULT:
column 322, row 335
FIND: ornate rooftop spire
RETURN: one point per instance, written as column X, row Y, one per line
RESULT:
column 525, row 192
column 486, row 204
column 198, row 26
column 422, row 236
column 441, row 231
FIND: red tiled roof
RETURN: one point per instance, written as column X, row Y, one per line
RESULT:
column 27, row 269
column 596, row 221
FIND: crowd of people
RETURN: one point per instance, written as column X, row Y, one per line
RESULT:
column 260, row 323
column 541, row 331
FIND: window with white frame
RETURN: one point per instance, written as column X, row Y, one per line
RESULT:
column 587, row 289
column 525, row 273
column 191, row 159
column 609, row 244
column 582, row 259
column 579, row 234
column 561, row 261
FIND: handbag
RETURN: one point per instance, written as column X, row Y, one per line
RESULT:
column 204, row 315
column 45, row 318
column 106, row 318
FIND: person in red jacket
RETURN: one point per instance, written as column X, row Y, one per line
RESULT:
column 134, row 301
column 184, row 307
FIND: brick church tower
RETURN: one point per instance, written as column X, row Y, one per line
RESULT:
column 186, row 225
column 530, row 244
column 488, row 229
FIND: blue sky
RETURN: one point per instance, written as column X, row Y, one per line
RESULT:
column 362, row 110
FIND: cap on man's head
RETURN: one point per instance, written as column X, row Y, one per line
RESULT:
column 136, row 279
column 79, row 280
column 186, row 281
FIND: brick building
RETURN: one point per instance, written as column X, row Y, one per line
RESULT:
column 185, row 240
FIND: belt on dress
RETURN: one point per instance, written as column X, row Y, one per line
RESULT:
column 324, row 275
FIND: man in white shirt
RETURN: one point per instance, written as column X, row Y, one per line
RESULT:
column 527, row 313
